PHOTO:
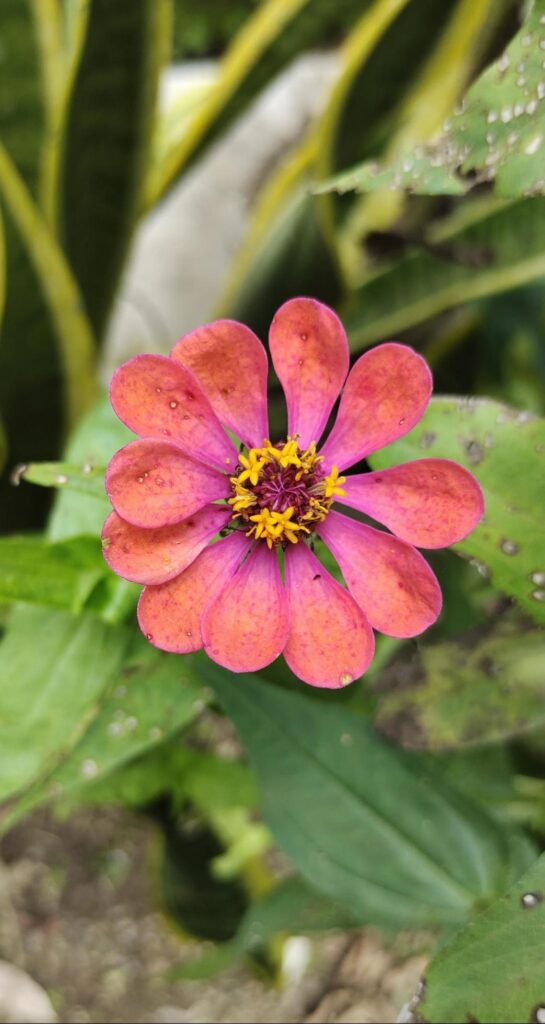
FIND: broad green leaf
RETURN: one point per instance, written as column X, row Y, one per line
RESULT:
column 156, row 696
column 54, row 669
column 22, row 114
column 484, row 248
column 494, row 135
column 277, row 33
column 151, row 697
column 96, row 176
column 361, row 821
column 460, row 697
column 505, row 449
column 47, row 374
column 493, row 970
column 59, row 575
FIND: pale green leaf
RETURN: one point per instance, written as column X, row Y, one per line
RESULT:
column 505, row 449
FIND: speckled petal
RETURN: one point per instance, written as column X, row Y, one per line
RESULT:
column 153, row 483
column 330, row 641
column 230, row 364
column 310, row 355
column 386, row 394
column 246, row 627
column 170, row 615
column 389, row 579
column 158, row 397
column 154, row 556
column 430, row 503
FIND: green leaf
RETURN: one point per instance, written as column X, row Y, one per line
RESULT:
column 494, row 442
column 90, row 448
column 495, row 135
column 47, row 355
column 362, row 822
column 493, row 970
column 484, row 248
column 459, row 697
column 86, row 479
column 59, row 575
column 104, row 140
column 151, row 697
column 54, row 668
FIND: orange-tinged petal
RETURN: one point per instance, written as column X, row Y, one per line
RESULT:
column 170, row 615
column 310, row 355
column 330, row 642
column 390, row 580
column 158, row 397
column 430, row 502
column 154, row 556
column 246, row 627
column 386, row 394
column 153, row 483
column 231, row 366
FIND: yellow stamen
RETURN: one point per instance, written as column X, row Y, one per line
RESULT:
column 332, row 484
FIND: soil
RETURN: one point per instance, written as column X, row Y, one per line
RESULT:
column 77, row 914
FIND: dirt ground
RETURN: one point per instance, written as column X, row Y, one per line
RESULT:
column 77, row 914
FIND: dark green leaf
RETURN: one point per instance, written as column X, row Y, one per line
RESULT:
column 47, row 377
column 493, row 970
column 361, row 821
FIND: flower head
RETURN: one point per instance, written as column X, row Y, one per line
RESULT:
column 205, row 526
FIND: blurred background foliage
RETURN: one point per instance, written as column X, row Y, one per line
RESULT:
column 414, row 203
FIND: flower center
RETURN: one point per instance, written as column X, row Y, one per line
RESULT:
column 281, row 492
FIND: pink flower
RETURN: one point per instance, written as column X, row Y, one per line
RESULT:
column 184, row 481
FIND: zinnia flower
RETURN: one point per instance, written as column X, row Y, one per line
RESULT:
column 185, row 481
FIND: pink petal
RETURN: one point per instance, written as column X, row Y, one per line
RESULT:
column 231, row 366
column 430, row 503
column 330, row 641
column 170, row 615
column 158, row 397
column 152, row 483
column 386, row 393
column 246, row 627
column 388, row 578
column 310, row 355
column 154, row 556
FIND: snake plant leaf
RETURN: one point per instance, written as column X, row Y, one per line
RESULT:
column 104, row 140
column 45, row 331
column 22, row 112
column 276, row 34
